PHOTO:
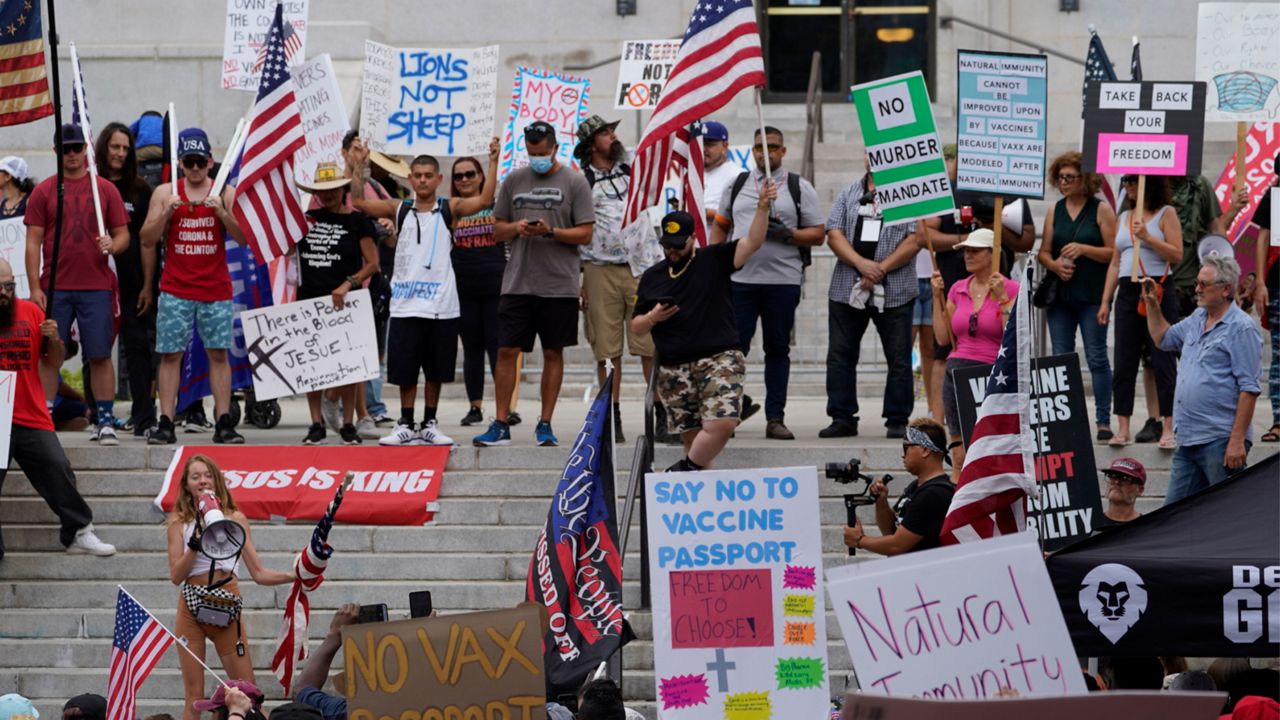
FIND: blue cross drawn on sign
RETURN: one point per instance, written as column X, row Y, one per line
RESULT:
column 721, row 667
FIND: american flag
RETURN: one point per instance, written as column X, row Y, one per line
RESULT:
column 998, row 473
column 266, row 205
column 139, row 642
column 24, row 88
column 1135, row 64
column 1097, row 68
column 687, row 161
column 720, row 56
column 292, row 44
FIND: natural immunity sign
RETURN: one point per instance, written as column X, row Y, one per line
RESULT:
column 1003, row 108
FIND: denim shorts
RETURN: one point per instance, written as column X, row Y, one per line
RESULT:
column 923, row 314
column 176, row 317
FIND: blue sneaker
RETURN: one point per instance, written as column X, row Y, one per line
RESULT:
column 544, row 435
column 497, row 434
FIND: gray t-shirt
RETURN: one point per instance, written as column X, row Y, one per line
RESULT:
column 774, row 263
column 542, row 266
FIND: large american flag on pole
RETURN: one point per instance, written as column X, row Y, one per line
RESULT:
column 24, row 87
column 688, row 162
column 138, row 643
column 720, row 57
column 266, row 205
column 999, row 472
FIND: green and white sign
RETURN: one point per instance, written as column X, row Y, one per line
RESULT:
column 903, row 148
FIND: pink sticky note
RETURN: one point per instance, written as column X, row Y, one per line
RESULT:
column 799, row 577
column 683, row 691
column 721, row 608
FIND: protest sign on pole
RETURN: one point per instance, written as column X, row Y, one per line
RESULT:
column 1237, row 58
column 903, row 148
column 13, row 249
column 1165, row 705
column 1262, row 144
column 468, row 665
column 642, row 71
column 8, row 390
column 958, row 622
column 1070, row 504
column 1144, row 128
column 735, row 560
column 428, row 101
column 310, row 345
column 324, row 116
column 1003, row 113
column 556, row 98
column 248, row 22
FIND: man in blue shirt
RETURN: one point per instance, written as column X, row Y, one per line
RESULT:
column 1218, row 378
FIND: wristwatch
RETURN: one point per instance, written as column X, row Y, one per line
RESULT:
column 353, row 281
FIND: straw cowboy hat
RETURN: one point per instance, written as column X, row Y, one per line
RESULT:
column 393, row 165
column 327, row 177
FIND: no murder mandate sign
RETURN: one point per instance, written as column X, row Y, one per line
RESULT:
column 1003, row 100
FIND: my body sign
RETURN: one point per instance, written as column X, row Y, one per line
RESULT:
column 485, row 665
column 1001, row 120
column 735, row 559
column 310, row 345
column 903, row 147
column 1146, row 128
column 555, row 98
column 964, row 621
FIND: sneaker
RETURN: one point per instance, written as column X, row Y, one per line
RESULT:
column 431, row 435
column 382, row 419
column 225, row 433
column 106, row 435
column 499, row 433
column 88, row 543
column 331, row 411
column 513, row 419
column 839, row 429
column 544, row 436
column 162, row 433
column 123, row 424
column 895, row 431
column 473, row 417
column 749, row 408
column 1150, row 432
column 402, row 435
column 349, row 434
column 315, row 435
column 143, row 429
column 777, row 430
column 367, row 429
column 196, row 422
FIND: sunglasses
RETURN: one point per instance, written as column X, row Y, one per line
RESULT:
column 466, row 175
column 72, row 148
column 1129, row 180
column 1068, row 178
column 973, row 323
column 9, row 287
column 771, row 146
column 191, row 162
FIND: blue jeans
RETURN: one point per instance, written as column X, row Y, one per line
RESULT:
column 373, row 396
column 845, row 328
column 1196, row 467
column 775, row 307
column 1063, row 321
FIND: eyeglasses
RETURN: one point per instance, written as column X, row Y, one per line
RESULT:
column 9, row 287
column 72, row 148
column 192, row 162
column 907, row 446
column 1201, row 284
column 466, row 175
column 1129, row 180
column 1068, row 178
column 771, row 146
column 1121, row 480
column 973, row 323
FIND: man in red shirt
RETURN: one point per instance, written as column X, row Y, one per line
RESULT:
column 33, row 443
column 195, row 285
column 85, row 282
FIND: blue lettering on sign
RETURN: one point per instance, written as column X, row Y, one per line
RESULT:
column 428, row 83
column 444, row 68
column 416, row 290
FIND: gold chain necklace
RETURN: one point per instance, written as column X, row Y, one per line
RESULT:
column 684, row 269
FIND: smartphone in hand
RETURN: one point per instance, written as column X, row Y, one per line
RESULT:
column 420, row 604
column 372, row 614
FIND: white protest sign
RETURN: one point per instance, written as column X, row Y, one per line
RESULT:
column 1236, row 57
column 554, row 98
column 310, row 345
column 13, row 249
column 428, row 101
column 1275, row 217
column 642, row 72
column 248, row 22
column 8, row 390
column 739, row 628
column 957, row 622
column 324, row 116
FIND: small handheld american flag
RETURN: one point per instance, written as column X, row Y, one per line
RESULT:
column 136, row 647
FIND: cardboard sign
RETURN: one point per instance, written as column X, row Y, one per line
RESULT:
column 8, row 388
column 1112, row 704
column 1003, row 112
column 958, row 622
column 324, row 116
column 642, row 72
column 1070, row 505
column 736, row 565
column 1262, row 144
column 13, row 249
column 310, row 345
column 481, row 665
column 903, row 147
column 399, row 487
column 1146, row 128
column 1236, row 57
column 558, row 99
column 434, row 102
column 248, row 22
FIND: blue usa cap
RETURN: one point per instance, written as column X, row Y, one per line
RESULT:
column 193, row 141
column 712, row 130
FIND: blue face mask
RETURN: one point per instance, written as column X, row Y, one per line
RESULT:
column 541, row 164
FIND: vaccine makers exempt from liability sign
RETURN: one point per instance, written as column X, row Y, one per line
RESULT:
column 1146, row 128
column 739, row 628
column 903, row 148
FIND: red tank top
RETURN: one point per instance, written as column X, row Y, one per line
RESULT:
column 195, row 254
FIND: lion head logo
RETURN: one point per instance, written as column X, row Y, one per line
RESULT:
column 1113, row 597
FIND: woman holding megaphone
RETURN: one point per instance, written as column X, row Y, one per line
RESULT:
column 208, row 544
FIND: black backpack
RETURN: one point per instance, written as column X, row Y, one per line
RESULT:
column 592, row 178
column 793, row 187
column 442, row 207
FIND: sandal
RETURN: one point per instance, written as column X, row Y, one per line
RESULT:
column 1118, row 441
column 1272, row 435
column 1169, row 443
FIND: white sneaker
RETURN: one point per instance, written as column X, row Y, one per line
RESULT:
column 367, row 429
column 331, row 411
column 87, row 543
column 106, row 436
column 431, row 435
column 402, row 435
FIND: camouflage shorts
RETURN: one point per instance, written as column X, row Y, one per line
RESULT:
column 706, row 389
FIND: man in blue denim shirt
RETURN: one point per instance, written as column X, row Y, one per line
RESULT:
column 1218, row 378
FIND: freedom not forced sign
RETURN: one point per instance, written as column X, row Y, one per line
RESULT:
column 1144, row 128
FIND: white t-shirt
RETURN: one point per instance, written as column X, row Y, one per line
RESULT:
column 716, row 180
column 924, row 266
column 423, row 284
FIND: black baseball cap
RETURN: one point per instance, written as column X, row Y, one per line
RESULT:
column 539, row 129
column 72, row 134
column 676, row 228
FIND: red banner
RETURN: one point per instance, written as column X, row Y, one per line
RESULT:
column 1261, row 146
column 392, row 486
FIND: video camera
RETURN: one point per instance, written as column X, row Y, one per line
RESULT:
column 852, row 472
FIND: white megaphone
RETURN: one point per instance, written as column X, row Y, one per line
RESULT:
column 222, row 538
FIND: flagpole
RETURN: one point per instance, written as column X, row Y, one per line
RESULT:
column 237, row 141
column 764, row 142
column 181, row 642
column 90, row 156
column 173, row 152
column 57, row 143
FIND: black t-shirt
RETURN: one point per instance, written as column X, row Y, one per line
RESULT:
column 478, row 258
column 705, row 323
column 331, row 250
column 137, row 199
column 1262, row 218
column 923, row 507
column 951, row 262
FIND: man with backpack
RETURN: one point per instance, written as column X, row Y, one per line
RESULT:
column 767, row 288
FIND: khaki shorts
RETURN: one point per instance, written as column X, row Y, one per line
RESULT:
column 611, row 300
column 703, row 390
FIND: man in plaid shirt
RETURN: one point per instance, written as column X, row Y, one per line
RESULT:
column 874, row 281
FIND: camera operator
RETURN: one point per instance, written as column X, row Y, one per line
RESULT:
column 916, row 520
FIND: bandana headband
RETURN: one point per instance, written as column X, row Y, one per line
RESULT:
column 916, row 436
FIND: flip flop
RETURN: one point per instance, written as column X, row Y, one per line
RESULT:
column 1272, row 435
column 1119, row 441
column 1168, row 444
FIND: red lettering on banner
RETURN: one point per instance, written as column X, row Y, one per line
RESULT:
column 1261, row 146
